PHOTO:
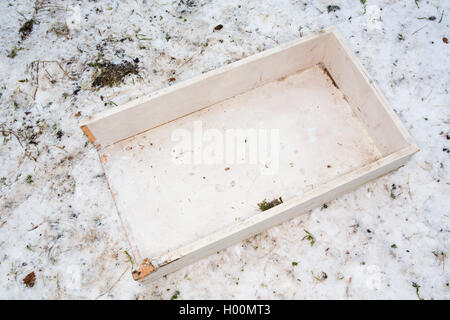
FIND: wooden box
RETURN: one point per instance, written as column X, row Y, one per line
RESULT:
column 331, row 127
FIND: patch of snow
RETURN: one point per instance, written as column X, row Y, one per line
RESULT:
column 62, row 223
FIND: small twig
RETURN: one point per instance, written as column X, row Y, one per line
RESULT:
column 37, row 81
column 65, row 73
column 37, row 226
column 57, row 63
column 20, row 13
column 409, row 189
column 114, row 284
column 271, row 39
column 268, row 37
column 418, row 30
column 6, row 131
column 348, row 286
column 58, row 147
column 186, row 61
column 58, row 288
column 50, row 76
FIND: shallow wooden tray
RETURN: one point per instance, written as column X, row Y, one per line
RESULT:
column 335, row 132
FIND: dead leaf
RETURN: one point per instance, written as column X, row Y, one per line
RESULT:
column 29, row 279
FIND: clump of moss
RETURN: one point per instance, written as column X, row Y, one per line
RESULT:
column 175, row 295
column 332, row 8
column 394, row 192
column 26, row 29
column 13, row 52
column 264, row 205
column 29, row 179
column 111, row 74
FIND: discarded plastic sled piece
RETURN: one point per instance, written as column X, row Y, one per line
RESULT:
column 327, row 126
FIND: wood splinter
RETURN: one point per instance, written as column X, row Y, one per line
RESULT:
column 88, row 133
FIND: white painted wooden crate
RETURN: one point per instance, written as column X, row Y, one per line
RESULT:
column 336, row 132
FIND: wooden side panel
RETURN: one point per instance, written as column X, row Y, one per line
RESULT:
column 192, row 95
column 281, row 213
column 367, row 101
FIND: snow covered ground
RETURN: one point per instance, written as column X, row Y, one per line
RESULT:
column 57, row 216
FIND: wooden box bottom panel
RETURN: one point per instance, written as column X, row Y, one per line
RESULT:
column 169, row 200
column 190, row 185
